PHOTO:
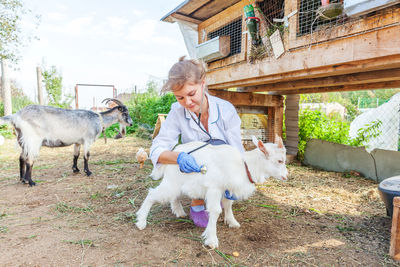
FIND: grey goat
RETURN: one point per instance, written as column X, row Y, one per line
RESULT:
column 38, row 126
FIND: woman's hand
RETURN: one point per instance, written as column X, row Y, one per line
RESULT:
column 187, row 163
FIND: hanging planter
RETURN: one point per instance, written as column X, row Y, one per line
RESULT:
column 328, row 11
column 253, row 25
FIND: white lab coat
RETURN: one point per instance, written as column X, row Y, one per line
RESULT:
column 223, row 123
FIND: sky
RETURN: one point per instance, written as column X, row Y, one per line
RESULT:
column 120, row 42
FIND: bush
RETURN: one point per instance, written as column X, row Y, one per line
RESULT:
column 315, row 124
column 144, row 110
column 18, row 102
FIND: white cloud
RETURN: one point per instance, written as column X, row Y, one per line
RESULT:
column 55, row 16
column 165, row 40
column 137, row 12
column 142, row 30
column 78, row 26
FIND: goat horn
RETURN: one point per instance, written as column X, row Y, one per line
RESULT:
column 118, row 102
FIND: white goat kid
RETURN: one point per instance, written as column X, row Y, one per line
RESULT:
column 226, row 171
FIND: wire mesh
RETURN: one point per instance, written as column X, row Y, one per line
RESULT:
column 313, row 17
column 272, row 9
column 364, row 118
column 234, row 30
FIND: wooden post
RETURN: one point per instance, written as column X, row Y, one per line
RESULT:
column 394, row 251
column 157, row 127
column 76, row 97
column 5, row 85
column 271, row 124
column 39, row 85
column 292, row 124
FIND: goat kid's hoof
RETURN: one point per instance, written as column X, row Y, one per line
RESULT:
column 88, row 173
column 32, row 183
column 232, row 223
column 76, row 170
column 211, row 242
column 141, row 225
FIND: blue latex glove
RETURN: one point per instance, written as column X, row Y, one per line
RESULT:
column 229, row 196
column 187, row 163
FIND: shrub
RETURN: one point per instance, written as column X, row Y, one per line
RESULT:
column 144, row 109
column 315, row 124
column 18, row 102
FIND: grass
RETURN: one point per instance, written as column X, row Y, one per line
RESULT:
column 82, row 242
column 3, row 229
column 63, row 207
column 44, row 167
column 113, row 162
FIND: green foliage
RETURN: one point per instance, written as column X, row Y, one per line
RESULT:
column 365, row 134
column 6, row 131
column 111, row 131
column 11, row 38
column 315, row 124
column 144, row 109
column 53, row 84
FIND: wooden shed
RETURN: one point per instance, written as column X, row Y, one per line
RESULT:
column 305, row 46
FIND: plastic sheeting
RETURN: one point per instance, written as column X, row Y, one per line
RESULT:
column 190, row 36
column 361, row 7
column 388, row 114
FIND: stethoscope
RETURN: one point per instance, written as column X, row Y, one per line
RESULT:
column 199, row 123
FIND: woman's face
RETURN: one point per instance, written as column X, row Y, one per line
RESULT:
column 190, row 96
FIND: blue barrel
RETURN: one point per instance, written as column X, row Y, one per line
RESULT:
column 388, row 189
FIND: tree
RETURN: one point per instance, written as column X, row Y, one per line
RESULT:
column 11, row 39
column 53, row 84
column 151, row 86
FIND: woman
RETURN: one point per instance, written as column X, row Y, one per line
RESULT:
column 197, row 116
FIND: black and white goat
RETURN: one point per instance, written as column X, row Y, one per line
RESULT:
column 226, row 170
column 38, row 126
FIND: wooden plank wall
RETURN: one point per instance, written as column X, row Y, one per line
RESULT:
column 292, row 123
column 273, row 104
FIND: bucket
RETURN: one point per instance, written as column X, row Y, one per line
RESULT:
column 388, row 189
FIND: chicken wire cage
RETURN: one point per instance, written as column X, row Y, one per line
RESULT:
column 269, row 11
column 234, row 30
column 253, row 125
column 315, row 17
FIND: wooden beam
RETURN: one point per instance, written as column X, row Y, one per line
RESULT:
column 347, row 79
column 186, row 18
column 249, row 99
column 252, row 110
column 192, row 6
column 341, row 88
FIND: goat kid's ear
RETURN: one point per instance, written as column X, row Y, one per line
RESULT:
column 261, row 146
column 278, row 141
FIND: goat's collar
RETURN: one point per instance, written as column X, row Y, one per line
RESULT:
column 248, row 173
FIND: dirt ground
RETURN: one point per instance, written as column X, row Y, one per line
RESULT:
column 315, row 219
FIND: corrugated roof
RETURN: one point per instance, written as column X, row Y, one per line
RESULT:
column 197, row 11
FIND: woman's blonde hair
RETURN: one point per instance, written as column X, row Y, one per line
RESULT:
column 184, row 71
